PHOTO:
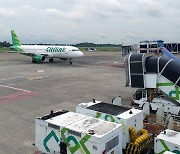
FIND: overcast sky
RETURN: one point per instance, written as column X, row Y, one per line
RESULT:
column 97, row 21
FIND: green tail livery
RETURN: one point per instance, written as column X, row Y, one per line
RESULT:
column 16, row 43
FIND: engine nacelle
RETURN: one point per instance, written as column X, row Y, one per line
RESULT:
column 38, row 58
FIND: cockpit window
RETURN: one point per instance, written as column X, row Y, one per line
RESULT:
column 75, row 49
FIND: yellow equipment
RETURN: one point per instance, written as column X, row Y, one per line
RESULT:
column 143, row 136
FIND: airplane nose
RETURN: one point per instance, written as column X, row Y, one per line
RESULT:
column 81, row 54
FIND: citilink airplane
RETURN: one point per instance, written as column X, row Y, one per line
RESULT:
column 40, row 52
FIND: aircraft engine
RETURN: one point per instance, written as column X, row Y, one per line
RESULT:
column 38, row 58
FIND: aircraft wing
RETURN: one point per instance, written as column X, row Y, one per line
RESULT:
column 33, row 54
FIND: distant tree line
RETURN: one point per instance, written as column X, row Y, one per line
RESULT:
column 86, row 44
column 5, row 44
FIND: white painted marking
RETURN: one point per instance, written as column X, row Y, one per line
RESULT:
column 35, row 78
column 7, row 79
column 40, row 71
column 15, row 88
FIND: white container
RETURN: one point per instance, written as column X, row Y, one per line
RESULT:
column 76, row 133
column 150, row 80
column 109, row 112
column 167, row 141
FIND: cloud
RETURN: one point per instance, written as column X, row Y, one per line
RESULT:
column 7, row 13
column 150, row 8
column 114, row 7
column 106, row 9
column 74, row 14
column 103, row 9
column 56, row 12
column 69, row 21
column 1, row 26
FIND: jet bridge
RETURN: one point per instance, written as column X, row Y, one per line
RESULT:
column 148, row 71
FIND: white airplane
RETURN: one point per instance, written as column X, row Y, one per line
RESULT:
column 40, row 52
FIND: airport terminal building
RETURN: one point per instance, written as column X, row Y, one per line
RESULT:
column 149, row 46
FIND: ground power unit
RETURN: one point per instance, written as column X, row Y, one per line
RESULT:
column 113, row 113
column 167, row 141
column 73, row 133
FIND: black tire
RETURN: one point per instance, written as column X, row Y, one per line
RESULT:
column 43, row 58
column 51, row 60
column 33, row 61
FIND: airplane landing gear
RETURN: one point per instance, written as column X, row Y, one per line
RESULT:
column 33, row 61
column 70, row 62
column 67, row 60
column 51, row 60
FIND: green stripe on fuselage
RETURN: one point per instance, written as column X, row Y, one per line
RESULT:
column 165, row 84
column 173, row 93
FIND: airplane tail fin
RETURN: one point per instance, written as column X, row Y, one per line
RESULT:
column 16, row 43
column 15, row 39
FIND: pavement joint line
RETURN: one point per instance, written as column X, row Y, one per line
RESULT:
column 15, row 88
column 76, row 75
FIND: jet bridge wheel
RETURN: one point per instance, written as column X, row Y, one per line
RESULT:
column 51, row 60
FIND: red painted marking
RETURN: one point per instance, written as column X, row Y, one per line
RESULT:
column 4, row 101
column 37, row 152
column 19, row 96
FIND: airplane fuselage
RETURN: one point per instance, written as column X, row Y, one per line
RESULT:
column 40, row 52
column 52, row 51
